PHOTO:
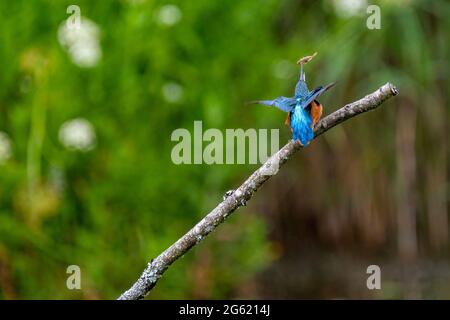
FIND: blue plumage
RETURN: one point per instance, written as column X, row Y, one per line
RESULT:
column 303, row 110
column 301, row 124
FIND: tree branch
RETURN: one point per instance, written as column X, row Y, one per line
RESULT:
column 240, row 196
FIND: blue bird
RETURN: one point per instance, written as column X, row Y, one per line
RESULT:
column 304, row 111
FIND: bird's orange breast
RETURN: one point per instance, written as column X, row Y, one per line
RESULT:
column 316, row 112
column 288, row 120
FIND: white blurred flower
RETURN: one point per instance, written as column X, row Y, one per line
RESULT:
column 77, row 134
column 348, row 8
column 172, row 92
column 5, row 147
column 81, row 43
column 169, row 15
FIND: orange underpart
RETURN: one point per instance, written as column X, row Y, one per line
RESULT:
column 316, row 112
column 288, row 120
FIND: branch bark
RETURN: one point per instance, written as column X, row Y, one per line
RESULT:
column 241, row 195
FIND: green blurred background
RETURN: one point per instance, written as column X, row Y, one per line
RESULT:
column 86, row 176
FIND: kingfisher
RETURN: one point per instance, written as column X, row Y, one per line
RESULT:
column 303, row 109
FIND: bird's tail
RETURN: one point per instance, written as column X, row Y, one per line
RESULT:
column 264, row 102
column 328, row 86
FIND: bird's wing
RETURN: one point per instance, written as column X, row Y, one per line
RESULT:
column 283, row 103
column 315, row 93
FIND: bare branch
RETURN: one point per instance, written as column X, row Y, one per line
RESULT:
column 240, row 196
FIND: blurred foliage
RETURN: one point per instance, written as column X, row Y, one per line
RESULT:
column 110, row 209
